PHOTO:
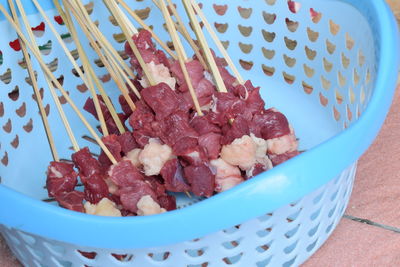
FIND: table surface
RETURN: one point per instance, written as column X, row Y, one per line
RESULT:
column 376, row 240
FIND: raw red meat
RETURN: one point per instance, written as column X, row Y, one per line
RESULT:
column 167, row 202
column 239, row 127
column 176, row 127
column 212, row 144
column 230, row 105
column 127, row 142
column 195, row 71
column 162, row 100
column 112, row 143
column 142, row 136
column 185, row 145
column 86, row 163
column 61, row 178
column 204, row 125
column 156, row 184
column 124, row 173
column 201, row 179
column 95, row 189
column 278, row 159
column 131, row 195
column 275, row 125
column 122, row 101
column 71, row 200
column 142, row 116
column 90, row 107
column 172, row 174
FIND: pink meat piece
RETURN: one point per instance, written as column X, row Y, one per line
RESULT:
column 195, row 71
column 141, row 117
column 162, row 100
column 112, row 126
column 95, row 189
column 124, row 174
column 112, row 143
column 167, row 202
column 228, row 79
column 131, row 195
column 230, row 105
column 239, row 127
column 278, row 159
column 127, row 142
column 86, row 163
column 156, row 184
column 269, row 124
column 194, row 156
column 201, row 180
column 61, row 178
column 203, row 125
column 211, row 142
column 176, row 127
column 142, row 41
column 184, row 145
column 142, row 136
column 71, row 200
column 254, row 102
column 172, row 174
column 185, row 102
column 204, row 100
column 90, row 107
column 124, row 105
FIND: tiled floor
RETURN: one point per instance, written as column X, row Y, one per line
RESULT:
column 375, row 200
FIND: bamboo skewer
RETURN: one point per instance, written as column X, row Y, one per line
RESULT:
column 88, row 67
column 113, row 9
column 108, row 48
column 35, row 87
column 144, row 25
column 85, row 77
column 48, row 72
column 181, row 55
column 53, row 94
column 217, row 42
column 109, row 65
column 207, row 52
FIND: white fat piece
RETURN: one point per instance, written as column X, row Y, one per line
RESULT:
column 226, row 175
column 133, row 156
column 112, row 187
column 241, row 152
column 160, row 73
column 104, row 208
column 261, row 152
column 154, row 156
column 283, row 144
column 147, row 206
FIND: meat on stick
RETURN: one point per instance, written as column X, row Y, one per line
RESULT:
column 181, row 55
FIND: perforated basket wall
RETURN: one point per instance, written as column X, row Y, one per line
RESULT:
column 315, row 65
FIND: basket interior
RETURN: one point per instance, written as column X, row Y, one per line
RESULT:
column 314, row 65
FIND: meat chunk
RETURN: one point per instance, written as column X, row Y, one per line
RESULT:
column 283, row 144
column 241, row 152
column 227, row 176
column 131, row 195
column 141, row 117
column 270, row 124
column 201, row 179
column 61, row 178
column 153, row 157
column 147, row 206
column 96, row 188
column 278, row 159
column 172, row 174
column 203, row 125
column 124, row 173
column 229, row 105
column 160, row 74
column 127, row 142
column 167, row 202
column 162, row 100
column 176, row 127
column 86, row 164
column 105, row 207
column 71, row 200
column 237, row 129
column 195, row 71
column 112, row 143
column 211, row 142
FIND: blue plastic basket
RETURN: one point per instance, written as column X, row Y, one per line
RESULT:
column 332, row 75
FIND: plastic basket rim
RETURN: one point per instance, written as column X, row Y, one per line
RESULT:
column 37, row 217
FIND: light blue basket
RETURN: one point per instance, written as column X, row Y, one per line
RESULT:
column 333, row 77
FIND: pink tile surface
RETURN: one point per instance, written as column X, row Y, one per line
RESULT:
column 377, row 188
column 355, row 244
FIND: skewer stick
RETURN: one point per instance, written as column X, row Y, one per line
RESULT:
column 186, row 34
column 144, row 25
column 207, row 52
column 53, row 94
column 48, row 72
column 115, row 75
column 86, row 78
column 88, row 67
column 113, row 6
column 217, row 42
column 36, row 91
column 181, row 55
column 108, row 48
column 111, row 54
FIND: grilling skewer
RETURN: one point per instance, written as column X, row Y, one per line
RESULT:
column 35, row 87
column 50, row 75
column 88, row 67
column 85, row 77
column 181, row 55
